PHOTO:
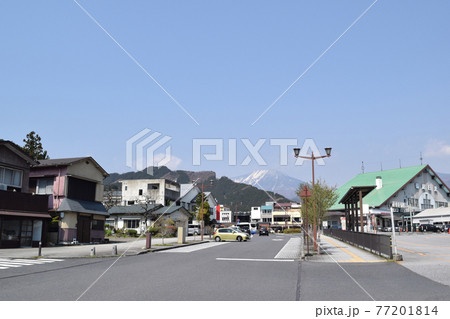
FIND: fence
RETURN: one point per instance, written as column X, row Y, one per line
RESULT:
column 375, row 243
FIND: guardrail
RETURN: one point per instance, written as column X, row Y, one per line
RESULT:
column 375, row 243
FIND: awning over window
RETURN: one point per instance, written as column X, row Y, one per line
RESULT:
column 25, row 214
column 82, row 206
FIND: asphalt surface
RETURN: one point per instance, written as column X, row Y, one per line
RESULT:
column 427, row 254
column 218, row 271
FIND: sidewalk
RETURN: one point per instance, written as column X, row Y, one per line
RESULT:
column 334, row 250
column 129, row 246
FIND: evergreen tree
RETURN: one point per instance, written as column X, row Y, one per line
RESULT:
column 33, row 146
column 206, row 217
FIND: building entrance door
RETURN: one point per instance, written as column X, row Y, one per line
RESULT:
column 84, row 229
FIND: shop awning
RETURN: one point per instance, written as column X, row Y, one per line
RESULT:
column 25, row 214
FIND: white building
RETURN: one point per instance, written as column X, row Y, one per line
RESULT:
column 407, row 191
column 256, row 214
column 156, row 191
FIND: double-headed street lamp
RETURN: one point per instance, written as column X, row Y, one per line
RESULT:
column 313, row 158
column 211, row 182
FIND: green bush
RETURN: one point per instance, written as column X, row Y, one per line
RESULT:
column 108, row 232
column 132, row 232
column 153, row 230
column 292, row 231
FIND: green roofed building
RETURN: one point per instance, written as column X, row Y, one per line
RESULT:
column 408, row 191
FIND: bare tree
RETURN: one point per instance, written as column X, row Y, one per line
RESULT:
column 147, row 205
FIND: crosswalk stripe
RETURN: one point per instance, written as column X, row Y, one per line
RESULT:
column 192, row 248
column 20, row 263
column 10, row 265
column 16, row 263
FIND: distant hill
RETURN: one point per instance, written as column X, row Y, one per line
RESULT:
column 445, row 178
column 272, row 180
column 237, row 196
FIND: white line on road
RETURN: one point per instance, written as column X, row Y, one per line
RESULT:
column 15, row 263
column 248, row 259
column 191, row 248
column 10, row 265
column 292, row 249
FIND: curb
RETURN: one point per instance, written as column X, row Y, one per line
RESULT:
column 143, row 251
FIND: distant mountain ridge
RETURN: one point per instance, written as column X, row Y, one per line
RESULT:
column 445, row 178
column 272, row 180
column 237, row 196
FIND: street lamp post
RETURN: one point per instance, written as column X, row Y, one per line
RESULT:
column 313, row 158
column 201, row 224
column 305, row 193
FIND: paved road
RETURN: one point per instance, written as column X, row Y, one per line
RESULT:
column 427, row 254
column 264, row 268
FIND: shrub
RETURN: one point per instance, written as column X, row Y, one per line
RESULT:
column 153, row 230
column 132, row 232
column 291, row 231
column 108, row 232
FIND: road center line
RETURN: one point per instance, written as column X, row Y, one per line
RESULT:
column 249, row 259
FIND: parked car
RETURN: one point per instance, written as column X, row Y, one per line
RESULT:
column 194, row 229
column 445, row 228
column 263, row 231
column 223, row 234
column 428, row 228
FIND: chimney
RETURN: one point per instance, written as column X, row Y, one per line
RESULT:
column 379, row 182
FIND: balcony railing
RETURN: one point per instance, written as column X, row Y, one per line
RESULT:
column 17, row 201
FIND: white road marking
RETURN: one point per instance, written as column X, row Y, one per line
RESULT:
column 292, row 249
column 10, row 265
column 191, row 248
column 276, row 239
column 16, row 263
column 249, row 259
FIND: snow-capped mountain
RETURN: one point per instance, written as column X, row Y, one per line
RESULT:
column 272, row 180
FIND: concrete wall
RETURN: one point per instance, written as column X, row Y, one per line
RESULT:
column 67, row 234
column 69, row 220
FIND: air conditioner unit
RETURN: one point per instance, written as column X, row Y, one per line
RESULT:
column 430, row 187
column 3, row 187
column 435, row 188
column 417, row 185
column 424, row 187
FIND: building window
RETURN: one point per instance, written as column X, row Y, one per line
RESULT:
column 126, row 187
column 130, row 202
column 140, row 192
column 441, row 204
column 413, row 202
column 10, row 177
column 44, row 186
column 426, row 204
column 131, row 223
column 98, row 224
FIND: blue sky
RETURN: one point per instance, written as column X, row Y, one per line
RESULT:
column 380, row 94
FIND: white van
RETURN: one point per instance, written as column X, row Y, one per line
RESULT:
column 250, row 226
column 194, row 229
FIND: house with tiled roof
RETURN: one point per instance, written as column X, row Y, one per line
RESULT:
column 75, row 186
column 23, row 214
column 141, row 216
column 407, row 191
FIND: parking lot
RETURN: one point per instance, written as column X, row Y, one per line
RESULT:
column 427, row 254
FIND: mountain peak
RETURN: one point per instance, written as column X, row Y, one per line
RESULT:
column 272, row 180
